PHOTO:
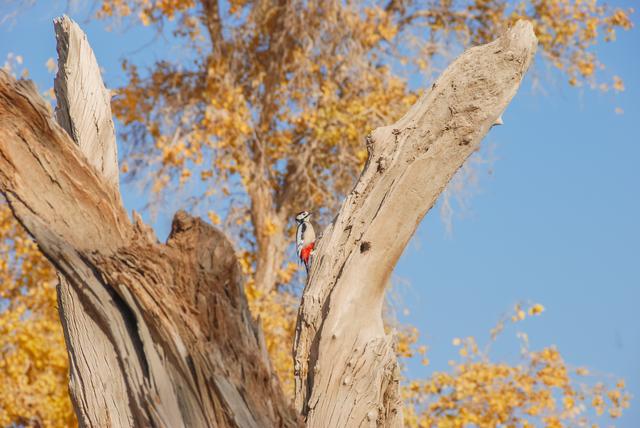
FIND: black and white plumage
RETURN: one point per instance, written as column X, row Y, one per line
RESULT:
column 305, row 238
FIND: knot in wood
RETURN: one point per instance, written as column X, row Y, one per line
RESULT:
column 369, row 140
column 372, row 415
column 465, row 141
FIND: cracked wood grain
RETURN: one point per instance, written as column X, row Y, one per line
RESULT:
column 345, row 366
column 158, row 335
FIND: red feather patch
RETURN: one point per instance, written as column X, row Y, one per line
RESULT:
column 305, row 253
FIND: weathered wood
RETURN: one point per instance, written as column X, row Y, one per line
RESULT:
column 345, row 365
column 161, row 334
column 99, row 395
column 158, row 335
column 83, row 103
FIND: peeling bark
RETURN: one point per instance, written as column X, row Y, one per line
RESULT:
column 345, row 365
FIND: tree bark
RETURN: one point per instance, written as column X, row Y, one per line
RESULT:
column 345, row 364
column 160, row 334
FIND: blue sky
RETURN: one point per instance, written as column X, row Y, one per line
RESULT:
column 556, row 222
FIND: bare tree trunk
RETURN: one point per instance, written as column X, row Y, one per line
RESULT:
column 345, row 365
column 269, row 231
column 269, row 257
column 160, row 334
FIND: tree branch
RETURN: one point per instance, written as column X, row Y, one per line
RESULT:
column 211, row 12
column 92, row 129
column 60, row 198
column 345, row 364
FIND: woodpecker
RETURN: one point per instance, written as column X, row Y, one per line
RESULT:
column 305, row 238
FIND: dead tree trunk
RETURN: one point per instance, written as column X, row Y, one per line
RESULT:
column 345, row 364
column 160, row 334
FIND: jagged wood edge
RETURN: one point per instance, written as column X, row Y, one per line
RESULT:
column 188, row 352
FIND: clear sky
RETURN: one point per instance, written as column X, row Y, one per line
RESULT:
column 556, row 221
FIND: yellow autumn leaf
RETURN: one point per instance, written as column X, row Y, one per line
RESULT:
column 536, row 309
column 214, row 218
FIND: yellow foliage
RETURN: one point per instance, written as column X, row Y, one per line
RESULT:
column 618, row 84
column 33, row 359
column 214, row 218
column 276, row 313
column 536, row 309
column 271, row 101
column 283, row 94
column 480, row 392
column 477, row 391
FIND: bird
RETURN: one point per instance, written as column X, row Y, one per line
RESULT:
column 305, row 238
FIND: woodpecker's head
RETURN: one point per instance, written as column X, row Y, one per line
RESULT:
column 302, row 216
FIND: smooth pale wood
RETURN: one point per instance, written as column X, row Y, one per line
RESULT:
column 158, row 334
column 345, row 365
